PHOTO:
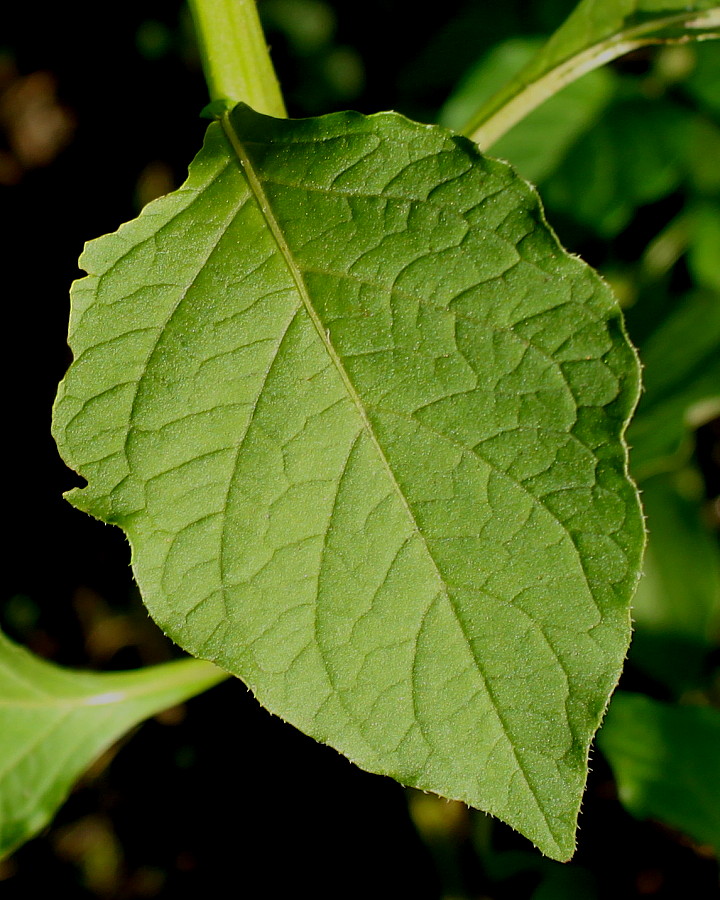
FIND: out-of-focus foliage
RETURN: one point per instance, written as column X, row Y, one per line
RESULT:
column 594, row 34
column 666, row 762
column 54, row 722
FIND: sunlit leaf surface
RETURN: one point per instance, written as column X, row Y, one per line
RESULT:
column 360, row 417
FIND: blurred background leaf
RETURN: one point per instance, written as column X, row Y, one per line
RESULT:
column 681, row 359
column 666, row 763
column 677, row 604
column 54, row 722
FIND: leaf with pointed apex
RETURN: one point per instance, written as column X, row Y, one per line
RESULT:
column 55, row 722
column 360, row 416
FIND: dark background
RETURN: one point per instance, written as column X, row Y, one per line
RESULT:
column 99, row 106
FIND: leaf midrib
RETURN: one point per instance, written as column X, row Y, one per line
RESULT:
column 255, row 185
column 297, row 276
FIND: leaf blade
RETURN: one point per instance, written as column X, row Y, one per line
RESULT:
column 344, row 459
column 55, row 722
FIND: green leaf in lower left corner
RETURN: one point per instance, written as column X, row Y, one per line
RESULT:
column 55, row 722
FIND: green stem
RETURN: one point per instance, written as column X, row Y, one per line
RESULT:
column 235, row 57
column 486, row 131
column 536, row 84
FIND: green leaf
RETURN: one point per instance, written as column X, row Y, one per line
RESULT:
column 498, row 65
column 666, row 761
column 704, row 81
column 702, row 149
column 704, row 246
column 538, row 143
column 682, row 382
column 360, row 417
column 677, row 604
column 596, row 32
column 55, row 722
column 612, row 169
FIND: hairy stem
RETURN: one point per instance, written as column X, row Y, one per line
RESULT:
column 235, row 57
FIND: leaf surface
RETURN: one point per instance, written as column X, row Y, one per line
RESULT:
column 55, row 722
column 666, row 761
column 360, row 417
column 596, row 32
